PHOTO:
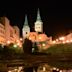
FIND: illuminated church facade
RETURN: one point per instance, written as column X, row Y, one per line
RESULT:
column 38, row 35
column 38, row 26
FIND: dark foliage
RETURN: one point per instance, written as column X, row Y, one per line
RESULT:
column 1, row 49
column 27, row 46
column 61, row 56
column 39, row 32
column 35, row 48
column 30, row 69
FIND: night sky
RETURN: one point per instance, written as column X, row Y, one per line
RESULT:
column 57, row 18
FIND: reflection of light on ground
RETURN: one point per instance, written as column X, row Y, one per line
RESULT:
column 54, row 68
column 60, row 71
column 15, row 69
column 9, row 71
column 57, row 69
column 44, row 69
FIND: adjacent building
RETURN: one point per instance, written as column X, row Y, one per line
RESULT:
column 2, row 34
column 8, row 34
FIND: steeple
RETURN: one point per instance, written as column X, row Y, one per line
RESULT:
column 26, row 21
column 38, row 15
column 38, row 23
column 26, row 28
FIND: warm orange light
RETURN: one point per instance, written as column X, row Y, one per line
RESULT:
column 43, row 44
column 9, row 71
column 54, row 42
column 20, row 68
column 18, row 44
column 67, row 41
column 54, row 68
column 17, row 40
column 64, row 42
column 60, row 71
column 8, row 42
column 44, row 69
column 15, row 46
column 40, row 37
column 15, row 69
column 62, row 38
column 70, row 40
column 57, row 69
column 21, row 39
column 57, row 40
column 29, row 38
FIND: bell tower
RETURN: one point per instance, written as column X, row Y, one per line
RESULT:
column 26, row 28
column 38, row 23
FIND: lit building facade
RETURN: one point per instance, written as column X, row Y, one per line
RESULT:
column 2, row 34
column 63, row 39
column 8, row 34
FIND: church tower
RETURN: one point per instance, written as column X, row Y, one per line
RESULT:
column 38, row 23
column 26, row 28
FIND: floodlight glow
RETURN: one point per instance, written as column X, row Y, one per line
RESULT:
column 20, row 68
column 8, row 42
column 57, row 40
column 57, row 69
column 64, row 42
column 15, row 69
column 21, row 39
column 39, row 37
column 54, row 42
column 9, row 71
column 62, row 38
column 15, row 46
column 18, row 44
column 67, row 41
column 29, row 38
column 44, row 69
column 43, row 44
column 54, row 68
column 60, row 71
column 70, row 40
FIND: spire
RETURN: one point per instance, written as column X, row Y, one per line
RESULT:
column 38, row 15
column 26, row 21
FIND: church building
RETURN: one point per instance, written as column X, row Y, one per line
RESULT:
column 38, row 35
